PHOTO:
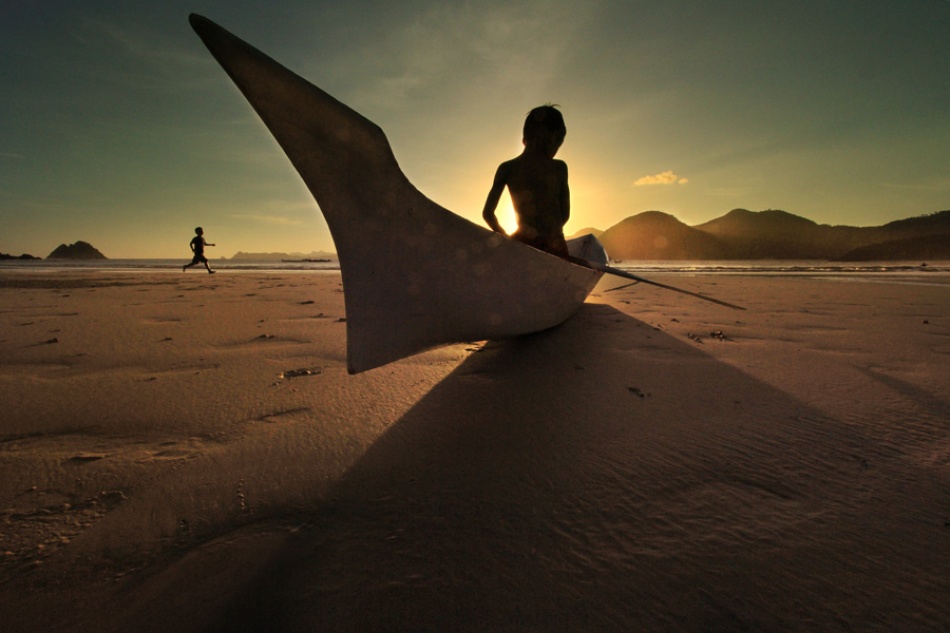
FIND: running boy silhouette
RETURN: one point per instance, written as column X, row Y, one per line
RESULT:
column 198, row 248
column 537, row 184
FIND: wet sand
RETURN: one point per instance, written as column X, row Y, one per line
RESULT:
column 188, row 453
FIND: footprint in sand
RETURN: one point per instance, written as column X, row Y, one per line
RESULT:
column 84, row 458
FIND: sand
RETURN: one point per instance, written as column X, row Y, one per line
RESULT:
column 187, row 453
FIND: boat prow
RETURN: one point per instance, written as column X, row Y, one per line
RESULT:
column 415, row 275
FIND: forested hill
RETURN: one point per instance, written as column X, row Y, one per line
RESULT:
column 743, row 234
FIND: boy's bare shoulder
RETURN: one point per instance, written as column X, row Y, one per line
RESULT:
column 557, row 167
column 510, row 164
column 507, row 168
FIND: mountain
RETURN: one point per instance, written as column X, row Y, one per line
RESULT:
column 658, row 235
column 586, row 231
column 929, row 247
column 78, row 250
column 742, row 222
column 276, row 257
column 24, row 256
column 934, row 223
column 774, row 234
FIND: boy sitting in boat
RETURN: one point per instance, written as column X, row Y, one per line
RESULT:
column 537, row 184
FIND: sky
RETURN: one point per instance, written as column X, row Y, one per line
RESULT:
column 118, row 128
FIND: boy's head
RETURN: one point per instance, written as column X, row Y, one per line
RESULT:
column 199, row 230
column 545, row 127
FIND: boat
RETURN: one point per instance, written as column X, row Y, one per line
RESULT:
column 415, row 275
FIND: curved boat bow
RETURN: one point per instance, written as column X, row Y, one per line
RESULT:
column 415, row 275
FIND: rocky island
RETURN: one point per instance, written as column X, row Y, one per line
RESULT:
column 78, row 250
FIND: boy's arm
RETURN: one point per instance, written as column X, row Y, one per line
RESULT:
column 494, row 195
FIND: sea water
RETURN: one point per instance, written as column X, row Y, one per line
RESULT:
column 901, row 269
column 789, row 267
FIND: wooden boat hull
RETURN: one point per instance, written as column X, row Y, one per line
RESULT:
column 415, row 275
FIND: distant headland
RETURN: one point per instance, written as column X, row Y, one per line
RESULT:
column 313, row 256
column 78, row 250
column 773, row 234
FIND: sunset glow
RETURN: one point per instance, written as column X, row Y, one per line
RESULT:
column 506, row 215
column 117, row 128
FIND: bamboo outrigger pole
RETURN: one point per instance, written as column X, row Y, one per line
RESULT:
column 622, row 273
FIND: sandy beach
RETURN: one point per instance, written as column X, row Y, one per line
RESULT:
column 188, row 453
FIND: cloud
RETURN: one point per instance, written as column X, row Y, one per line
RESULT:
column 666, row 178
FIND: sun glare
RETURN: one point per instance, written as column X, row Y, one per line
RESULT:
column 506, row 215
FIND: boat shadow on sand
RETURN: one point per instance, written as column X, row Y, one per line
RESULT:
column 603, row 475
